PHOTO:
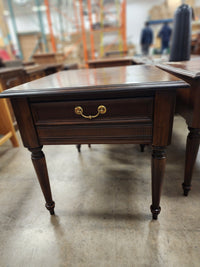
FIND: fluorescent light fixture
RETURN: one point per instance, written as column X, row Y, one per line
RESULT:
column 40, row 8
column 6, row 13
column 21, row 2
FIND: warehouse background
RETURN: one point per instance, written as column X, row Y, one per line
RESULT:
column 27, row 23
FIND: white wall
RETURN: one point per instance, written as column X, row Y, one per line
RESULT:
column 137, row 14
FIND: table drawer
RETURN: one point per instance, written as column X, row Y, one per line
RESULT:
column 95, row 134
column 63, row 113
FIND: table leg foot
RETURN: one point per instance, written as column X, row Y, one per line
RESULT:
column 50, row 207
column 78, row 148
column 39, row 163
column 186, row 189
column 142, row 146
column 158, row 169
column 155, row 212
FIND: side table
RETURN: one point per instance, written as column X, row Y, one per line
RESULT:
column 188, row 106
column 120, row 105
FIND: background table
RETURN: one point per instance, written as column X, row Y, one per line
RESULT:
column 120, row 105
column 110, row 62
column 188, row 106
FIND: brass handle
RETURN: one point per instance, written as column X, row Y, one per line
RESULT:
column 101, row 110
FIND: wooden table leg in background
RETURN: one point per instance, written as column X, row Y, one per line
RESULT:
column 192, row 148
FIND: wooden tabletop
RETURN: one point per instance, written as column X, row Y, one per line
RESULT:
column 10, row 69
column 187, row 68
column 113, row 59
column 47, row 54
column 117, row 78
column 34, row 68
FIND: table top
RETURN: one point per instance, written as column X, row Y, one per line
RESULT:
column 111, row 59
column 34, row 68
column 48, row 54
column 5, row 70
column 187, row 68
column 51, row 65
column 98, row 80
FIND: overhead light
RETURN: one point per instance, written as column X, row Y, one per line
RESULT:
column 21, row 2
column 6, row 13
column 39, row 8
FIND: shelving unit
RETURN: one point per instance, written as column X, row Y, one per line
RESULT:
column 105, row 11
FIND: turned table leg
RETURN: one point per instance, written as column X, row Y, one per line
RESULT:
column 39, row 163
column 158, row 169
column 192, row 148
column 79, row 147
column 142, row 146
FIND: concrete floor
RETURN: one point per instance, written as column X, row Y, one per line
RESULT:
column 102, row 208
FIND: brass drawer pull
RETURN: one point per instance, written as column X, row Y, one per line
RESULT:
column 101, row 110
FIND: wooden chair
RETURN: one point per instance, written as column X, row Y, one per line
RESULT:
column 7, row 130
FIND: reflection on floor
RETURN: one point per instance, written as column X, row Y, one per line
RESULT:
column 102, row 208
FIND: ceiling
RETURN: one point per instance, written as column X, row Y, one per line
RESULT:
column 23, row 7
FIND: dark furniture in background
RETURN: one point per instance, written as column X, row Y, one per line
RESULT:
column 122, row 105
column 116, row 53
column 10, row 77
column 188, row 106
column 110, row 62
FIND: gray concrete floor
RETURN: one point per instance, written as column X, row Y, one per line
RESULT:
column 102, row 208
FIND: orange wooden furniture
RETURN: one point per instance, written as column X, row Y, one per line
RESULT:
column 7, row 130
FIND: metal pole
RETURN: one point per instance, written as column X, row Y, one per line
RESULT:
column 91, row 30
column 102, row 28
column 44, row 40
column 53, row 43
column 61, row 20
column 117, row 5
column 15, row 27
column 83, row 32
column 124, row 25
column 76, row 16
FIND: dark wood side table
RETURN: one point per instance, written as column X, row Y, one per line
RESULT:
column 34, row 72
column 51, row 68
column 11, row 76
column 188, row 106
column 110, row 62
column 121, row 105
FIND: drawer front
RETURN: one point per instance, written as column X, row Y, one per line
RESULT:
column 96, row 134
column 125, row 121
column 63, row 113
column 12, row 79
